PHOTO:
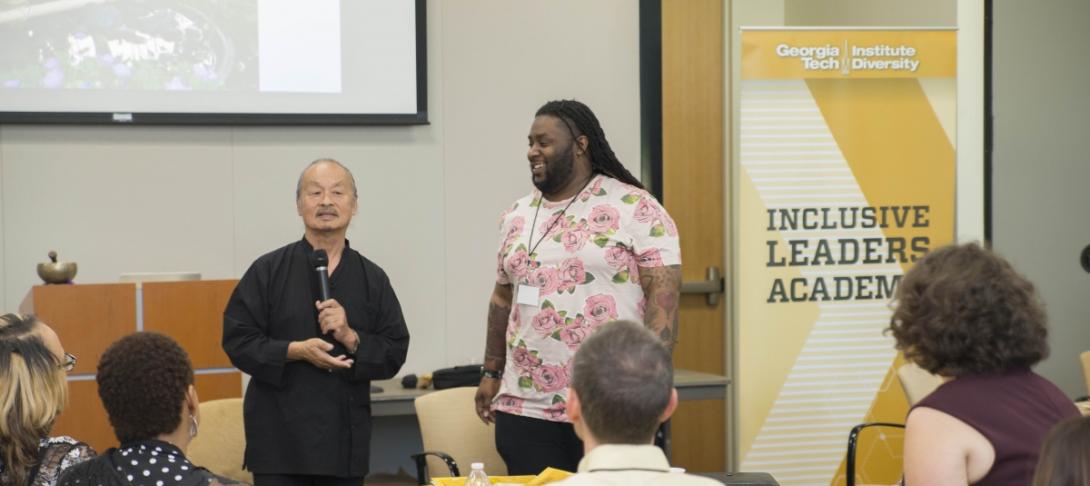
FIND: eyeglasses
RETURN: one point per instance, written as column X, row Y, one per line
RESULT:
column 69, row 362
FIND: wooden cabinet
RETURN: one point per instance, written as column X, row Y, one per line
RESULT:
column 88, row 317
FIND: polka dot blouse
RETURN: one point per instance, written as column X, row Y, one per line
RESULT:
column 152, row 463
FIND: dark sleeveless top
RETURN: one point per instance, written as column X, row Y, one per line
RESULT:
column 1013, row 410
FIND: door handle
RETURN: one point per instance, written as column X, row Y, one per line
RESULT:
column 713, row 286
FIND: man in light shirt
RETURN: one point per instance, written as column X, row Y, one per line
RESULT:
column 622, row 389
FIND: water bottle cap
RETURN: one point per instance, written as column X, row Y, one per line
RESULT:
column 477, row 465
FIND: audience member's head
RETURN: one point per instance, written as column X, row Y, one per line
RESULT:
column 33, row 391
column 622, row 386
column 963, row 310
column 1065, row 456
column 145, row 381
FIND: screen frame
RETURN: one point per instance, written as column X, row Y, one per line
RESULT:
column 162, row 118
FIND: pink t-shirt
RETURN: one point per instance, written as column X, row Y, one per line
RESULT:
column 586, row 270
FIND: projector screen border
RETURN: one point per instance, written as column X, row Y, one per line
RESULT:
column 281, row 119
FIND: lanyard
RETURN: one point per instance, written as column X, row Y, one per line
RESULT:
column 540, row 201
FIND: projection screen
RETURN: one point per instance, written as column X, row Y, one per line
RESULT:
column 213, row 61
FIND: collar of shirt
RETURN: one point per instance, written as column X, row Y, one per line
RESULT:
column 624, row 457
column 308, row 248
column 151, row 462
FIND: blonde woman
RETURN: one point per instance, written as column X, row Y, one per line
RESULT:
column 33, row 391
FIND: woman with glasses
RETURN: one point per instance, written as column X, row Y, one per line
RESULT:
column 33, row 391
column 146, row 384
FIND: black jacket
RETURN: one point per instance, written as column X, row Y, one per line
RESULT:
column 300, row 419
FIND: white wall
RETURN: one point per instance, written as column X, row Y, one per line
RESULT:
column 969, row 218
column 836, row 13
column 501, row 61
column 1041, row 168
column 212, row 199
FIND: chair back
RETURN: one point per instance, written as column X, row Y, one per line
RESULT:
column 221, row 441
column 1085, row 357
column 853, row 446
column 917, row 382
column 449, row 423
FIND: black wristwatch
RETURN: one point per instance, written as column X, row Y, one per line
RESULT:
column 486, row 373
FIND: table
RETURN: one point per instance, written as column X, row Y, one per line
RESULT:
column 742, row 479
column 691, row 385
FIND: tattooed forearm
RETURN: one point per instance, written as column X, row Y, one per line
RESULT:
column 662, row 289
column 499, row 311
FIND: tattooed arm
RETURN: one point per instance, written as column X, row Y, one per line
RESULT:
column 495, row 349
column 662, row 289
column 499, row 311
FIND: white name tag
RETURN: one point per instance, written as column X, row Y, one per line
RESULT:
column 528, row 295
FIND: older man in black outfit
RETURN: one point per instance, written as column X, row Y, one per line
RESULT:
column 308, row 407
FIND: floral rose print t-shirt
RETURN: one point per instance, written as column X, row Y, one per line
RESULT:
column 585, row 263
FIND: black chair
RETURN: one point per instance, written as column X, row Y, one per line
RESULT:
column 421, row 460
column 853, row 439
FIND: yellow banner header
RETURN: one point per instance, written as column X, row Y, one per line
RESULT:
column 808, row 54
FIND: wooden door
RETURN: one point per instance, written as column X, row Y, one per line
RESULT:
column 693, row 167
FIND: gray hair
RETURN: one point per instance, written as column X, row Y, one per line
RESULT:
column 352, row 178
column 624, row 377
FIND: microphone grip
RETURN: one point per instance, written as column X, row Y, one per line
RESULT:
column 323, row 283
column 323, row 289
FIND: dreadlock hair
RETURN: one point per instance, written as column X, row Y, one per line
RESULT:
column 581, row 121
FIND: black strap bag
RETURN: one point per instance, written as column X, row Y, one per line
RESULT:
column 468, row 375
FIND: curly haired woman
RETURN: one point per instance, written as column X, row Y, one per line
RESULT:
column 963, row 313
column 145, row 381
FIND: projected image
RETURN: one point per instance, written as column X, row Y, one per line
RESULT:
column 129, row 44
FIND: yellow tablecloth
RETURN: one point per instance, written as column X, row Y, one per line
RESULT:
column 547, row 476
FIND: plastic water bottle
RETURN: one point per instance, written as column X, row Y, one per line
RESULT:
column 477, row 477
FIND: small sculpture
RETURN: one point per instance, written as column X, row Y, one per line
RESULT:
column 55, row 272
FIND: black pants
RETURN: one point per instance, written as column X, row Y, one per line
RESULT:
column 303, row 480
column 529, row 445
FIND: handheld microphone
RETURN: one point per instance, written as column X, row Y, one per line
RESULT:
column 321, row 265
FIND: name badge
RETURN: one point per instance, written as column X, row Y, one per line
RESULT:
column 528, row 295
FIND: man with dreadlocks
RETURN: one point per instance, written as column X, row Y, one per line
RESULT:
column 588, row 246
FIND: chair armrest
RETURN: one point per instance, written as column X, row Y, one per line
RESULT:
column 853, row 438
column 421, row 460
